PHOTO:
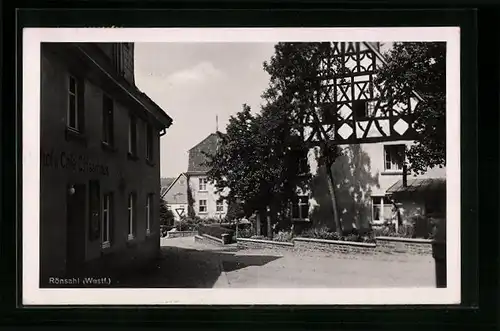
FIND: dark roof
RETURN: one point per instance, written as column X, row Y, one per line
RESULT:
column 415, row 185
column 197, row 158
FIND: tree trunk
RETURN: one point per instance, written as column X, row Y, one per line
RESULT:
column 331, row 188
column 258, row 224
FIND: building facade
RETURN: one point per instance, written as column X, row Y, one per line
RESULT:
column 204, row 200
column 99, row 176
column 371, row 185
column 176, row 197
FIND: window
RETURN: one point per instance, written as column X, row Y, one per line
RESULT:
column 203, row 184
column 132, row 135
column 359, row 108
column 106, row 220
column 107, row 120
column 149, row 213
column 149, row 142
column 381, row 210
column 300, row 208
column 394, row 157
column 219, row 207
column 74, row 116
column 131, row 216
column 202, row 208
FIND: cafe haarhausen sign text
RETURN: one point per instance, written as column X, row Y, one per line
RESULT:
column 72, row 162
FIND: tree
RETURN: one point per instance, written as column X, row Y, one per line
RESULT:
column 166, row 215
column 294, row 70
column 421, row 67
column 258, row 160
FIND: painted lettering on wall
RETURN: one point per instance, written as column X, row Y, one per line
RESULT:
column 72, row 162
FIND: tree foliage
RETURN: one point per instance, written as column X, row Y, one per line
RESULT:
column 295, row 70
column 421, row 67
column 166, row 215
column 258, row 161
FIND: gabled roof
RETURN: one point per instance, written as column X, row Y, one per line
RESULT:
column 165, row 190
column 197, row 158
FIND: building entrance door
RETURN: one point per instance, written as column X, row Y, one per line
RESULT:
column 75, row 231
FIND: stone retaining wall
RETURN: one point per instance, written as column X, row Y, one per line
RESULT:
column 178, row 234
column 404, row 245
column 244, row 243
column 389, row 245
column 208, row 238
column 333, row 246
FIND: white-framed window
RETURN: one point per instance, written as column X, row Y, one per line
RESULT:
column 219, row 207
column 149, row 213
column 132, row 135
column 73, row 116
column 202, row 206
column 300, row 208
column 203, row 184
column 394, row 157
column 131, row 216
column 382, row 210
column 107, row 120
column 106, row 220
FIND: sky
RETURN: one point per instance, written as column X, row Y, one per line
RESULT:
column 195, row 83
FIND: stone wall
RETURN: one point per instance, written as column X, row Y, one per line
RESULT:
column 208, row 238
column 244, row 243
column 387, row 245
column 333, row 246
column 178, row 234
column 404, row 245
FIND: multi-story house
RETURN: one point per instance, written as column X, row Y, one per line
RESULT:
column 192, row 194
column 100, row 175
column 204, row 200
column 371, row 184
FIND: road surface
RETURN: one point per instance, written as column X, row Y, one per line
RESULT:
column 189, row 264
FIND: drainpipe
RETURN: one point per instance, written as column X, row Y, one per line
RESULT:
column 163, row 132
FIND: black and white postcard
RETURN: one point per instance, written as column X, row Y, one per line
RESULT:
column 241, row 166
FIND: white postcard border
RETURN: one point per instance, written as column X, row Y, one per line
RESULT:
column 33, row 295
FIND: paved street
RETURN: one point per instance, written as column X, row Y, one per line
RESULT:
column 187, row 264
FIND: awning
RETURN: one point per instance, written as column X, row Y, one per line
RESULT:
column 426, row 185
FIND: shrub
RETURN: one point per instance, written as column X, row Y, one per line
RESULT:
column 166, row 216
column 215, row 230
column 245, row 233
column 320, row 233
column 325, row 233
column 283, row 236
